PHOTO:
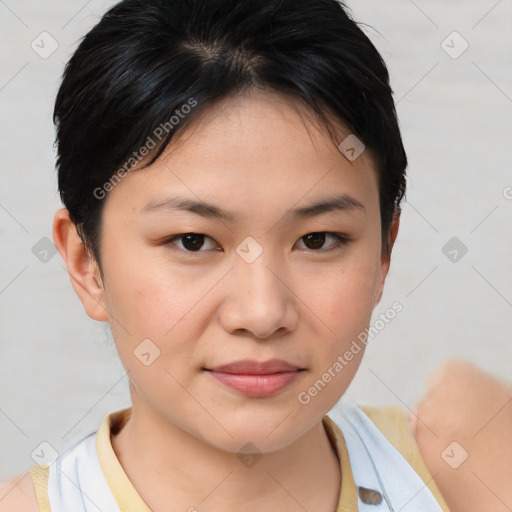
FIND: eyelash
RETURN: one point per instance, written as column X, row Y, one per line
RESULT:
column 341, row 241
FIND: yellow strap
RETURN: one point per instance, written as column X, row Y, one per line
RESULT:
column 393, row 422
column 40, row 474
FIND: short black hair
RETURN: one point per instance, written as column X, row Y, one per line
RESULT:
column 138, row 68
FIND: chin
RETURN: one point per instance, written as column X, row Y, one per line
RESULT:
column 268, row 433
column 249, row 441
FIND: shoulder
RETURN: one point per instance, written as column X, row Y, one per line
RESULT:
column 394, row 422
column 18, row 495
column 396, row 425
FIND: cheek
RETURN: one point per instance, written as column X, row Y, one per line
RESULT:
column 148, row 292
column 145, row 303
column 344, row 302
column 345, row 296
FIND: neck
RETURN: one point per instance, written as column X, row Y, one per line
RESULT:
column 173, row 470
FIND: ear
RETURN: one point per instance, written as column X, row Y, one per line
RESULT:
column 81, row 265
column 386, row 254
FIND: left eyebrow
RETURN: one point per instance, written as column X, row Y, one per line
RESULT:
column 341, row 203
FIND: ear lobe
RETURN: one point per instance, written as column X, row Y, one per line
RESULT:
column 81, row 266
column 386, row 255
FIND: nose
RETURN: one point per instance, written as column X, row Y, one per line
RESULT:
column 260, row 301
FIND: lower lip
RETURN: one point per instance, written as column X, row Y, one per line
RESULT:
column 257, row 386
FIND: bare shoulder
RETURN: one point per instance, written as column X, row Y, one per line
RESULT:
column 18, row 495
column 462, row 427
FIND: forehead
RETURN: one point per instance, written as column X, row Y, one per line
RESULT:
column 252, row 151
column 265, row 119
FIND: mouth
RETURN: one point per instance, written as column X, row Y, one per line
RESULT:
column 256, row 379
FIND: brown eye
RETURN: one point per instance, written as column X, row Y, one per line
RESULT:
column 316, row 240
column 191, row 242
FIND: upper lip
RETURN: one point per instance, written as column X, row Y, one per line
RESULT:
column 253, row 367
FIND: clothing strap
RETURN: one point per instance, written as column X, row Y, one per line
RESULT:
column 393, row 422
column 76, row 482
column 40, row 474
column 378, row 467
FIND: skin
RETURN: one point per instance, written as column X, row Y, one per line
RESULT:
column 471, row 407
column 293, row 302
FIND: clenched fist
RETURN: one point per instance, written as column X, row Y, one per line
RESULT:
column 463, row 427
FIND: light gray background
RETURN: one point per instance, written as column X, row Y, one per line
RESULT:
column 59, row 372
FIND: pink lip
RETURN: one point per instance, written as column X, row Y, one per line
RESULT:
column 256, row 379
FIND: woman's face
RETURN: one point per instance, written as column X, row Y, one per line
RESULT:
column 250, row 284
